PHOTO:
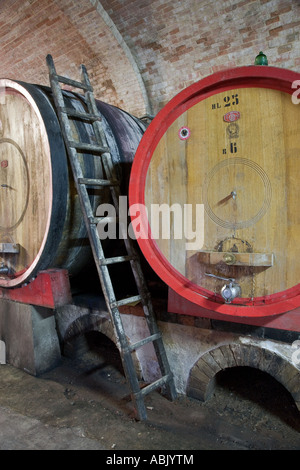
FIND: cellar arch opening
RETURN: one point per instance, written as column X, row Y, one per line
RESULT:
column 203, row 376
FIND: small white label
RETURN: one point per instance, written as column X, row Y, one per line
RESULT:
column 2, row 353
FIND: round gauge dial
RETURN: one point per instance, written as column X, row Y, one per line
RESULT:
column 25, row 182
column 228, row 204
column 14, row 184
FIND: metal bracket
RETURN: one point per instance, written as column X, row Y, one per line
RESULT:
column 9, row 248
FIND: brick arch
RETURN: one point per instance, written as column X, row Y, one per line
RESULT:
column 137, row 81
column 202, row 377
column 93, row 322
column 86, row 323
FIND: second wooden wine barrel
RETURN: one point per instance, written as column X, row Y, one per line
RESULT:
column 229, row 144
column 41, row 225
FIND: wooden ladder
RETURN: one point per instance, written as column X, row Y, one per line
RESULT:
column 82, row 184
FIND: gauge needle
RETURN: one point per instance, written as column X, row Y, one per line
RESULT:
column 7, row 186
column 232, row 195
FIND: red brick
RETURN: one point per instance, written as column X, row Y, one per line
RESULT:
column 283, row 49
column 295, row 24
column 245, row 30
column 173, row 42
column 283, row 10
column 275, row 31
column 272, row 20
column 86, row 12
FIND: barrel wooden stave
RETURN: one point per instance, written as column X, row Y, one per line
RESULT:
column 41, row 211
column 233, row 134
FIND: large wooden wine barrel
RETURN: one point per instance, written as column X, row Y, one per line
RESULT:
column 41, row 225
column 230, row 144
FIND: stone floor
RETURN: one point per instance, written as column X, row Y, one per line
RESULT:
column 84, row 403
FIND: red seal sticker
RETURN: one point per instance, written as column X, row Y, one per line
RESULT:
column 184, row 133
column 232, row 116
column 4, row 164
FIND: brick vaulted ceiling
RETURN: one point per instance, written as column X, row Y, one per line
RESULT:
column 140, row 53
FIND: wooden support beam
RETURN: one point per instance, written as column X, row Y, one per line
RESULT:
column 236, row 259
column 9, row 248
column 49, row 289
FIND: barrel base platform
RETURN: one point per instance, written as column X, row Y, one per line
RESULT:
column 30, row 337
column 288, row 321
column 49, row 289
column 28, row 324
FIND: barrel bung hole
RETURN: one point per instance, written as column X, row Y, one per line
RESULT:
column 257, row 395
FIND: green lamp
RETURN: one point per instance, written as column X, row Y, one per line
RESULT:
column 261, row 59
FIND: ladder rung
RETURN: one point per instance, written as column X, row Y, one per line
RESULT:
column 88, row 147
column 154, row 385
column 77, row 114
column 128, row 300
column 142, row 342
column 114, row 260
column 74, row 83
column 97, row 182
column 105, row 220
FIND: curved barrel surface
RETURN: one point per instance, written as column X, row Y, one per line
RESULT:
column 41, row 225
column 227, row 149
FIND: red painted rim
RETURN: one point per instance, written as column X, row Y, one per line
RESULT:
column 243, row 77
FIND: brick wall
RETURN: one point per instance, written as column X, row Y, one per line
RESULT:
column 73, row 33
column 173, row 43
column 176, row 43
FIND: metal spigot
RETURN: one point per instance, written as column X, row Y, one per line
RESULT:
column 229, row 291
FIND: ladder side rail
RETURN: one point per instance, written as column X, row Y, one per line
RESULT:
column 103, row 273
column 135, row 263
column 102, row 263
column 109, row 168
column 76, row 167
column 99, row 131
column 97, row 249
column 108, row 292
